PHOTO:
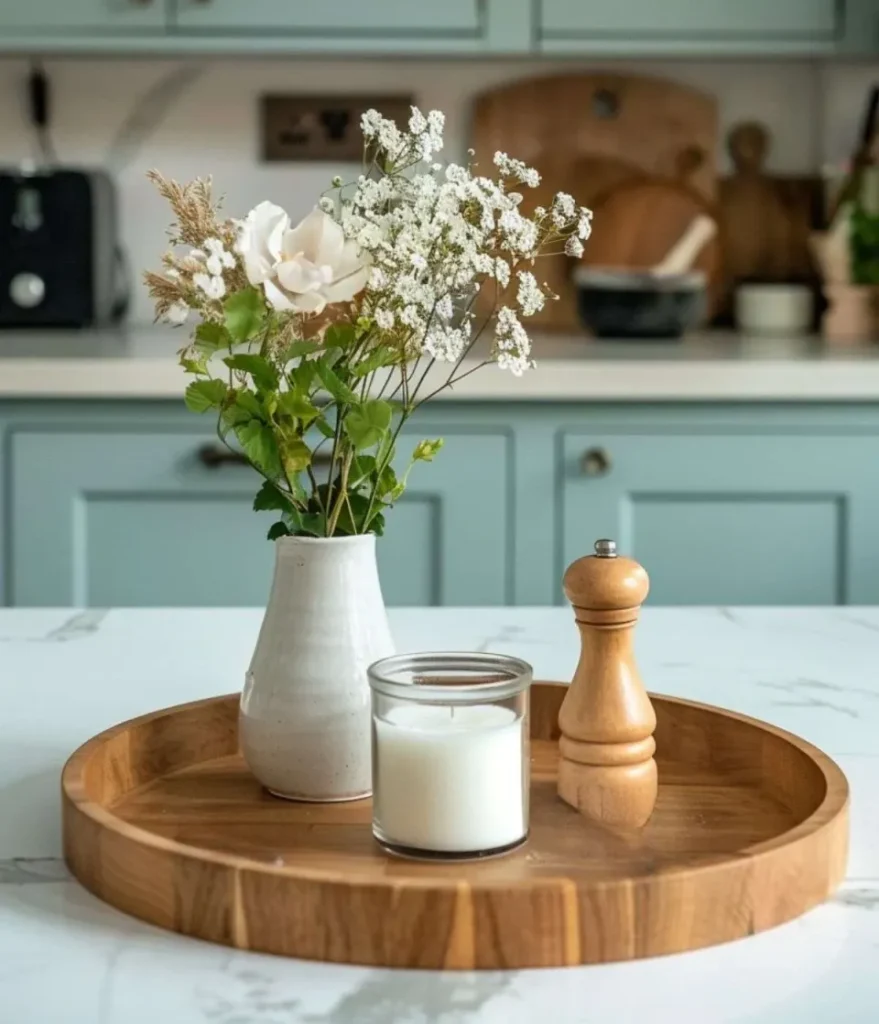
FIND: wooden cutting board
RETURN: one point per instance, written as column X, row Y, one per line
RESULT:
column 588, row 134
column 765, row 220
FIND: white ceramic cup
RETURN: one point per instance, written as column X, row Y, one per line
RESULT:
column 774, row 309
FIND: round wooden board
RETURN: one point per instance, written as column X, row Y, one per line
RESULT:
column 163, row 820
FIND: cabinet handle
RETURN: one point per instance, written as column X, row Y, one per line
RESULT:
column 595, row 462
column 213, row 456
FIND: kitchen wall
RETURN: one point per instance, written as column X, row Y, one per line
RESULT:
column 812, row 109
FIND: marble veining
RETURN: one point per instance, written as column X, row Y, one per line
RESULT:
column 74, row 627
column 66, row 958
column 31, row 870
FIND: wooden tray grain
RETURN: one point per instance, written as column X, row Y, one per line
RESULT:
column 163, row 820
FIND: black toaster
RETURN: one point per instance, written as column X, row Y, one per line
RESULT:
column 60, row 263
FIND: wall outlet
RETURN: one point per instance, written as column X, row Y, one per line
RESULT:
column 322, row 127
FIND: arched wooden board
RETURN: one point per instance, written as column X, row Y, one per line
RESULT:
column 163, row 820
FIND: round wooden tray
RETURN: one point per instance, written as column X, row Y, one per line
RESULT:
column 163, row 820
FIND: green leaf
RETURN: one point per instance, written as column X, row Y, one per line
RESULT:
column 291, row 403
column 269, row 498
column 277, row 530
column 367, row 424
column 339, row 336
column 301, row 348
column 376, row 359
column 426, row 451
column 295, row 456
column 245, row 312
column 202, row 395
column 210, row 337
column 302, row 376
column 314, row 524
column 330, row 380
column 261, row 370
column 260, row 446
column 324, row 427
column 241, row 407
column 198, row 366
column 362, row 467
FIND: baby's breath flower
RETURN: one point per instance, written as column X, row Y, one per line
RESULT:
column 326, row 204
column 213, row 287
column 502, row 271
column 584, row 224
column 177, row 313
column 337, row 181
column 512, row 346
column 385, row 319
column 445, row 343
column 444, row 308
column 516, row 169
column 529, row 296
column 573, row 247
column 564, row 210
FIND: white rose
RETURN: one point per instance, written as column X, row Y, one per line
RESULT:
column 303, row 268
column 259, row 241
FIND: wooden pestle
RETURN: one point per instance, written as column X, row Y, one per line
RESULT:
column 606, row 766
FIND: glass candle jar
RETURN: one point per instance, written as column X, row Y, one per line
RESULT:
column 450, row 764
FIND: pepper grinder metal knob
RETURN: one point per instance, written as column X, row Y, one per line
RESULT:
column 606, row 766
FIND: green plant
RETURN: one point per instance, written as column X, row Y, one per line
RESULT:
column 316, row 343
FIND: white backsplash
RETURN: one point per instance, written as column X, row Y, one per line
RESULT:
column 812, row 109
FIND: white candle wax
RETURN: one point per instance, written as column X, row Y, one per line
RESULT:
column 449, row 779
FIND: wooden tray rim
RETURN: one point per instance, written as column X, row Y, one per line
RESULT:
column 835, row 802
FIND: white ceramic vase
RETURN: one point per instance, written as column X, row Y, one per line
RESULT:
column 305, row 720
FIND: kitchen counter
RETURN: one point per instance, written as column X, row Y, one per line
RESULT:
column 141, row 363
column 66, row 958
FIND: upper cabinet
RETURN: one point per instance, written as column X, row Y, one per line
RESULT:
column 460, row 18
column 266, row 26
column 746, row 26
column 108, row 18
column 455, row 27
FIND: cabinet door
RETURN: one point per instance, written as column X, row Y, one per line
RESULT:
column 730, row 519
column 134, row 519
column 692, row 19
column 341, row 18
column 50, row 16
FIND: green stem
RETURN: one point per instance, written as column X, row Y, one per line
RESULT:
column 343, row 493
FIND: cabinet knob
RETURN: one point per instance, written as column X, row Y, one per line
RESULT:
column 595, row 462
column 214, row 455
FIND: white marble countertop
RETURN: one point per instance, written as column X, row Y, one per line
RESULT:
column 65, row 958
column 141, row 363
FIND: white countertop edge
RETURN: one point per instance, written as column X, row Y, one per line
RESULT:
column 552, row 380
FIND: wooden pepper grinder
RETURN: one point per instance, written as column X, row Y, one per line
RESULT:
column 606, row 766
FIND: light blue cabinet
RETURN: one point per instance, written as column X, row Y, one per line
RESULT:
column 455, row 27
column 340, row 18
column 109, row 503
column 164, row 27
column 80, row 17
column 786, row 19
column 116, row 517
column 735, row 26
column 730, row 518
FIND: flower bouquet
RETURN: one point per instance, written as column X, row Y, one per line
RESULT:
column 322, row 339
column 313, row 345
